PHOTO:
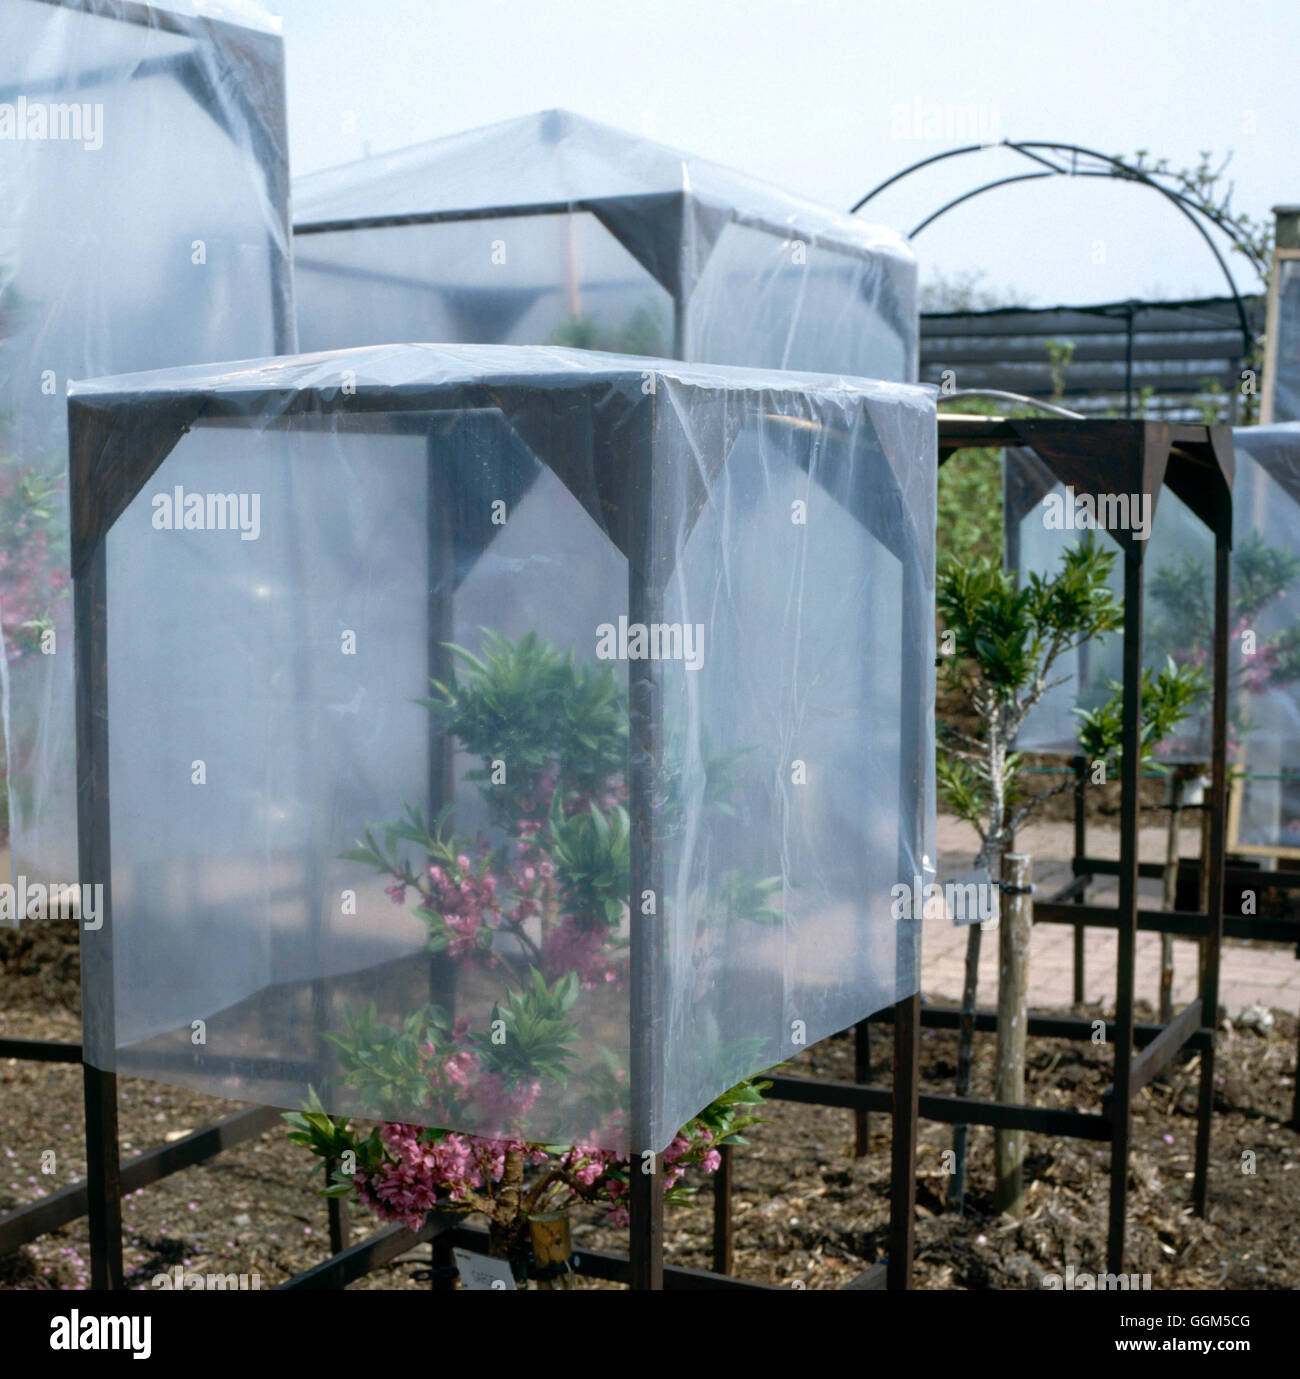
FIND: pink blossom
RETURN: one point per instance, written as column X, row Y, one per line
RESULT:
column 500, row 1106
column 677, row 1148
column 568, row 948
column 460, row 1067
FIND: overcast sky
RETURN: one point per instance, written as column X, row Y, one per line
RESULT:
column 828, row 97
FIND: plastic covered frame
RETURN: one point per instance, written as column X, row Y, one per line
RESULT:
column 1196, row 464
column 1266, row 781
column 224, row 62
column 1264, row 717
column 254, row 82
column 95, row 309
column 682, row 222
column 123, row 430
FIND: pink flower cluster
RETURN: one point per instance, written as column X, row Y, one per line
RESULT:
column 537, row 806
column 33, row 580
column 457, row 1081
column 419, row 1175
column 472, row 902
column 682, row 1145
column 467, row 905
column 499, row 1105
column 569, row 948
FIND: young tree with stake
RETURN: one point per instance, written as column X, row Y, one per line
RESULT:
column 1003, row 637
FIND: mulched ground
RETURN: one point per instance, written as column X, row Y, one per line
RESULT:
column 807, row 1214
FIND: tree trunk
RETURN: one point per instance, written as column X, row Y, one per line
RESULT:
column 965, row 1056
column 507, row 1229
column 996, row 842
column 1014, row 931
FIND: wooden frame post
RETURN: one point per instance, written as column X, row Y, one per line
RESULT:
column 1126, row 916
column 862, row 1076
column 98, row 1022
column 723, row 1231
column 1216, row 861
column 902, row 1154
column 645, row 769
column 1080, row 767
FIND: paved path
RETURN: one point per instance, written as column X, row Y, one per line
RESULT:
column 1267, row 973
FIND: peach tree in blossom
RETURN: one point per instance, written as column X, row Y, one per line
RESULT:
column 34, row 580
column 542, row 911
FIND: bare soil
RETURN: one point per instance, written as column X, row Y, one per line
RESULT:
column 807, row 1213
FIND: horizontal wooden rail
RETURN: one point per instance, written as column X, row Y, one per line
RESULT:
column 949, row 1110
column 617, row 1268
column 1182, row 923
column 366, row 1255
column 1161, row 1051
column 1234, row 876
column 1047, row 1026
column 38, row 1218
column 40, row 1050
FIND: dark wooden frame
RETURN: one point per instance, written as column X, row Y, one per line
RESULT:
column 112, row 461
column 267, row 123
column 1196, row 463
column 1198, row 450
column 1067, row 905
column 652, row 227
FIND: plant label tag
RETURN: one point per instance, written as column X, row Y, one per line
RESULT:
column 481, row 1273
column 971, row 897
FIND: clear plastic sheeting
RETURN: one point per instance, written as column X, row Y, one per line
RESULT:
column 1286, row 355
column 1264, row 627
column 555, row 230
column 1178, row 616
column 523, row 741
column 1264, row 718
column 143, row 223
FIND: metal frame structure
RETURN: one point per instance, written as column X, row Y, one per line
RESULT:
column 652, row 227
column 1174, row 348
column 267, row 50
column 1093, row 456
column 1196, row 463
column 1042, row 154
column 108, row 469
column 1067, row 905
column 1239, row 872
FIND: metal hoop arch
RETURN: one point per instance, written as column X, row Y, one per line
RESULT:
column 1116, row 168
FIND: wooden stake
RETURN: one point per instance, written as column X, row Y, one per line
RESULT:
column 965, row 1062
